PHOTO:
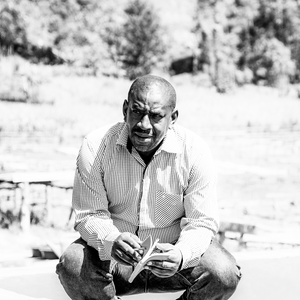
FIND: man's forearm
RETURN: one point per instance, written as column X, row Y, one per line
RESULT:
column 192, row 244
column 98, row 233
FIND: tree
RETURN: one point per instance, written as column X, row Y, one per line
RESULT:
column 217, row 42
column 12, row 27
column 271, row 62
column 137, row 44
column 70, row 28
column 273, row 37
column 258, row 37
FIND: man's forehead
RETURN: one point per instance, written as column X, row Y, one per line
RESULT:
column 148, row 89
column 153, row 94
column 151, row 105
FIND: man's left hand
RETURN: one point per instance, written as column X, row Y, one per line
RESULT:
column 167, row 267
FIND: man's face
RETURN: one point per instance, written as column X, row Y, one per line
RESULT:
column 148, row 117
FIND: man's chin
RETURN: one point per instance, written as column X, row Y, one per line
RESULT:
column 142, row 143
column 142, row 148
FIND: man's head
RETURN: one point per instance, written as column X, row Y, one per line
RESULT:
column 149, row 112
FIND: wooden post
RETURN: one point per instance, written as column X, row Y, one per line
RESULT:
column 48, row 204
column 25, row 211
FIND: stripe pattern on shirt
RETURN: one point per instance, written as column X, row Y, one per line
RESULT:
column 173, row 198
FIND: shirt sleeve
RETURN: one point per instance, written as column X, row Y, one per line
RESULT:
column 200, row 223
column 90, row 204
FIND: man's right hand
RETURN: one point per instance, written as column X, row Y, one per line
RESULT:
column 127, row 249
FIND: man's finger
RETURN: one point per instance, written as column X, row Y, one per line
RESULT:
column 136, row 238
column 163, row 273
column 160, row 264
column 123, row 258
column 130, row 241
column 130, row 251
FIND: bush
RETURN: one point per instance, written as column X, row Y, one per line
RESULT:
column 12, row 28
column 271, row 62
column 137, row 45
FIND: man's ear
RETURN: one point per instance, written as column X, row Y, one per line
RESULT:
column 125, row 108
column 174, row 117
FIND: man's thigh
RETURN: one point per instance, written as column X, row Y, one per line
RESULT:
column 84, row 276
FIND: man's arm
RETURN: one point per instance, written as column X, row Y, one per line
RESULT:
column 200, row 223
column 90, row 204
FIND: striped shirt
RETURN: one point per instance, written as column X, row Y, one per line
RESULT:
column 173, row 198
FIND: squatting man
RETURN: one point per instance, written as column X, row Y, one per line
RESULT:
column 146, row 176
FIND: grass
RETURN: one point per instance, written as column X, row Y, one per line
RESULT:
column 82, row 104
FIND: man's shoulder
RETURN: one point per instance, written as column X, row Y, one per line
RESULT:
column 194, row 147
column 109, row 130
column 104, row 135
column 188, row 137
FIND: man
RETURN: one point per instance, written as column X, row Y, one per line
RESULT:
column 146, row 176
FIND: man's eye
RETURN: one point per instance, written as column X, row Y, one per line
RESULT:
column 156, row 117
column 137, row 112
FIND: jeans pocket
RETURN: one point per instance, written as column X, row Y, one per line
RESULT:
column 183, row 279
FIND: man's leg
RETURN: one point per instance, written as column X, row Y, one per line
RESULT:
column 215, row 278
column 85, row 277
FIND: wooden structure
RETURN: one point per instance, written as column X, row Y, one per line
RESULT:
column 23, row 180
column 235, row 226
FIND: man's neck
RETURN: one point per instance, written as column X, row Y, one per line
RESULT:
column 146, row 157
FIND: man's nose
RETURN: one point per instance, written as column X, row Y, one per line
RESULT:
column 145, row 122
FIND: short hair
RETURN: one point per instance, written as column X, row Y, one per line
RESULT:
column 146, row 81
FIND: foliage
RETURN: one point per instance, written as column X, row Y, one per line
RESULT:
column 238, row 40
column 12, row 27
column 85, row 33
column 7, row 218
column 271, row 61
column 76, row 29
column 71, row 29
column 218, row 24
column 257, row 35
column 137, row 43
column 272, row 36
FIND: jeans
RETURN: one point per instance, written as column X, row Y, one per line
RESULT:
column 85, row 277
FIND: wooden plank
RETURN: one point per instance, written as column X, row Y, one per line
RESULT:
column 36, row 177
column 279, row 239
column 237, row 226
column 62, row 185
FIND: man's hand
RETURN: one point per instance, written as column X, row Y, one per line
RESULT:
column 167, row 267
column 127, row 249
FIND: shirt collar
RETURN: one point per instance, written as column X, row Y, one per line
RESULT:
column 123, row 137
column 170, row 143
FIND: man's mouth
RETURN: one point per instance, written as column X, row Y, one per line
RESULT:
column 143, row 135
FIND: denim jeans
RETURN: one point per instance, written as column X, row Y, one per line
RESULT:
column 85, row 277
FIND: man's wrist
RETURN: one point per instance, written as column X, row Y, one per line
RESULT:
column 108, row 243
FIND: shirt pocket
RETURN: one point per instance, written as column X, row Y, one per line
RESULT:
column 168, row 209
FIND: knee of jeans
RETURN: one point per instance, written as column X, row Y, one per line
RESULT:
column 228, row 275
column 70, row 262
